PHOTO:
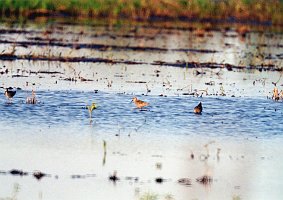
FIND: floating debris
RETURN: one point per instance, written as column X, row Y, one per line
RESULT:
column 130, row 178
column 114, row 177
column 49, row 72
column 185, row 181
column 19, row 76
column 199, row 73
column 78, row 176
column 158, row 165
column 159, row 180
column 203, row 157
column 136, row 82
column 205, row 180
column 39, row 175
column 210, row 83
column 84, row 79
column 17, row 172
column 190, row 94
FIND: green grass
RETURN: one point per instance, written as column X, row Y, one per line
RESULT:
column 149, row 196
column 257, row 10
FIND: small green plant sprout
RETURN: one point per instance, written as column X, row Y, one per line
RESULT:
column 104, row 154
column 222, row 91
column 104, row 146
column 91, row 108
column 236, row 197
column 149, row 196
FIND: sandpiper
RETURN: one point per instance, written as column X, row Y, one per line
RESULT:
column 32, row 98
column 139, row 103
column 275, row 95
column 198, row 109
column 10, row 93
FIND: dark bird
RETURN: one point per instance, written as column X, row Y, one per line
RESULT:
column 38, row 175
column 198, row 109
column 114, row 177
column 10, row 93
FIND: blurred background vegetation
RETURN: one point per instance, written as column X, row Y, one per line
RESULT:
column 242, row 10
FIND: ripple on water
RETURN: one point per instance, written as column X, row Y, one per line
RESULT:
column 173, row 115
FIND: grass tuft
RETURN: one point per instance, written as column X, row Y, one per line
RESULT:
column 252, row 10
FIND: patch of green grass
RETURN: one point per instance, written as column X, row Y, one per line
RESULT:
column 257, row 10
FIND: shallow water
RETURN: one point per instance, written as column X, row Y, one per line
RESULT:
column 57, row 137
column 245, row 117
column 166, row 139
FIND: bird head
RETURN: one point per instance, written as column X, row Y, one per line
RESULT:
column 93, row 105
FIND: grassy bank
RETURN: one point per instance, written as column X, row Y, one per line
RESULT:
column 252, row 10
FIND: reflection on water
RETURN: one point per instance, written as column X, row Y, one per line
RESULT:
column 16, row 190
column 256, row 48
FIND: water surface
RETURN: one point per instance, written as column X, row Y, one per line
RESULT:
column 69, row 66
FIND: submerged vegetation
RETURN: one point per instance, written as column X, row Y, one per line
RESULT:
column 232, row 10
column 149, row 196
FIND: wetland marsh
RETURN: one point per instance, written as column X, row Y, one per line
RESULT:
column 231, row 151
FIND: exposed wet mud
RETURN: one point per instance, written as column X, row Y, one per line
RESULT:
column 209, row 65
column 66, row 59
column 189, row 43
column 101, row 47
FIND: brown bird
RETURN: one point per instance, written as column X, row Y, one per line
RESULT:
column 139, row 103
column 32, row 99
column 198, row 109
column 9, row 93
column 275, row 95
